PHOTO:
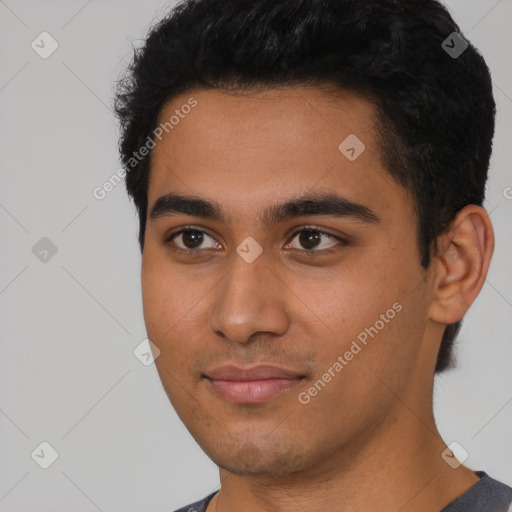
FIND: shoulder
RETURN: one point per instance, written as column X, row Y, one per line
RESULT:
column 487, row 495
column 198, row 506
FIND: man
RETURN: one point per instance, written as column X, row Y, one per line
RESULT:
column 309, row 176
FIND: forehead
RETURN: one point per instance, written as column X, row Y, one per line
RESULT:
column 250, row 148
column 274, row 118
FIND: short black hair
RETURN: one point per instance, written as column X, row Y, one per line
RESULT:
column 436, row 110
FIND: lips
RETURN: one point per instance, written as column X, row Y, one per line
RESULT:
column 252, row 385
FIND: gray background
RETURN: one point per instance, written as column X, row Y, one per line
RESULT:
column 69, row 325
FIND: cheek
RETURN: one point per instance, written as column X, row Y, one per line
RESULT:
column 170, row 314
column 174, row 304
column 370, row 362
column 374, row 310
column 162, row 297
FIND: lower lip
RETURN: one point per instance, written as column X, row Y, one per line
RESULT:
column 252, row 391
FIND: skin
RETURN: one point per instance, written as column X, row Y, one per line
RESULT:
column 368, row 439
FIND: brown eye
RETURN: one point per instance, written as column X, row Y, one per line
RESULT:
column 192, row 239
column 312, row 239
column 309, row 239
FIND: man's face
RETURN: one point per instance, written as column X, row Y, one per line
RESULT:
column 330, row 281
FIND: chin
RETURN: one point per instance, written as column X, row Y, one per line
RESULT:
column 262, row 459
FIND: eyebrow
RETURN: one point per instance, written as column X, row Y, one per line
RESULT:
column 328, row 204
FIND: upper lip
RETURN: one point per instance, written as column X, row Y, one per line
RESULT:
column 257, row 372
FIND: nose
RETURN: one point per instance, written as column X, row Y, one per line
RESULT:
column 248, row 300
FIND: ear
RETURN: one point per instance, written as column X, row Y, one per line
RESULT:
column 461, row 264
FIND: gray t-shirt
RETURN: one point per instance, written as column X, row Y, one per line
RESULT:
column 487, row 495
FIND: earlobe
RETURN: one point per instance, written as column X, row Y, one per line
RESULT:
column 461, row 264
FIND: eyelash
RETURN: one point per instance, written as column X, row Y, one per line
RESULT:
column 343, row 242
